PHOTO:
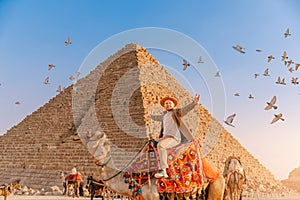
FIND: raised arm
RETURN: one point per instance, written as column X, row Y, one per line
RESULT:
column 184, row 110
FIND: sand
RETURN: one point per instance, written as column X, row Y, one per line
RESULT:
column 25, row 197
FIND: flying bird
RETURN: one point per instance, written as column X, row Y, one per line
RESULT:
column 229, row 120
column 58, row 89
column 185, row 64
column 287, row 33
column 295, row 81
column 50, row 66
column 271, row 104
column 291, row 69
column 250, row 96
column 266, row 72
column 270, row 58
column 217, row 74
column 289, row 62
column 297, row 65
column 237, row 94
column 17, row 103
column 200, row 60
column 68, row 41
column 46, row 81
column 278, row 80
column 258, row 50
column 77, row 75
column 277, row 117
column 71, row 78
column 284, row 56
column 239, row 49
column 283, row 82
column 256, row 75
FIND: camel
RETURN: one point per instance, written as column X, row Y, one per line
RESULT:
column 235, row 178
column 6, row 190
column 75, row 181
column 114, row 178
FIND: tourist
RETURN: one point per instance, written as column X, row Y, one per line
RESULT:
column 172, row 126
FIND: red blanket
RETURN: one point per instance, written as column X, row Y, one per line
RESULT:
column 74, row 177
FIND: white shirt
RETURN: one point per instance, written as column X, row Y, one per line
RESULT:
column 170, row 126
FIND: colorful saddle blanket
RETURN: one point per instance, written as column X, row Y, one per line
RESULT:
column 74, row 177
column 185, row 168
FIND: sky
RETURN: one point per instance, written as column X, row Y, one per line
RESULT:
column 32, row 35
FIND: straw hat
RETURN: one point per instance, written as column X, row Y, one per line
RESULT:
column 162, row 102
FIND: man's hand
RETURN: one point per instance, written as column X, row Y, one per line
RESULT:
column 197, row 98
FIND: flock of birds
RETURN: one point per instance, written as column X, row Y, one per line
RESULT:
column 294, row 80
column 289, row 63
column 240, row 49
column 51, row 66
column 71, row 78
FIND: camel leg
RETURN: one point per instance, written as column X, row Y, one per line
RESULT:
column 171, row 196
column 67, row 189
column 194, row 193
column 74, row 191
column 78, row 189
column 93, row 193
column 179, row 196
column 163, row 196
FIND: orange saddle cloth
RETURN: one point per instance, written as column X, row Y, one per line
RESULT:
column 186, row 168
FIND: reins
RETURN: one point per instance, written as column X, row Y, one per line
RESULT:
column 97, row 183
column 120, row 171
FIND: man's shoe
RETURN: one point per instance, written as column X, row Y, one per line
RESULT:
column 161, row 174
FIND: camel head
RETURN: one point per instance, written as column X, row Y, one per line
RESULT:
column 98, row 145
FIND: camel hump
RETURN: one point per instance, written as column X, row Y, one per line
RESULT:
column 210, row 171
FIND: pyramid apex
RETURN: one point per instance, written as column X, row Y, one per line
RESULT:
column 133, row 46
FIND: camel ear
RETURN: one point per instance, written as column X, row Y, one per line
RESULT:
column 107, row 145
column 99, row 134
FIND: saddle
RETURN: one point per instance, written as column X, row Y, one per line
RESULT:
column 186, row 169
column 74, row 177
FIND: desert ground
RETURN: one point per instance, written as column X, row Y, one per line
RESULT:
column 40, row 197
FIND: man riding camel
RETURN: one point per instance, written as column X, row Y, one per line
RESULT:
column 172, row 126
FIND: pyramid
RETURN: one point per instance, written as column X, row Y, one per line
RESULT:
column 293, row 180
column 113, row 101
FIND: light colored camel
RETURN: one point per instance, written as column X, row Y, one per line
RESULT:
column 235, row 180
column 114, row 180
